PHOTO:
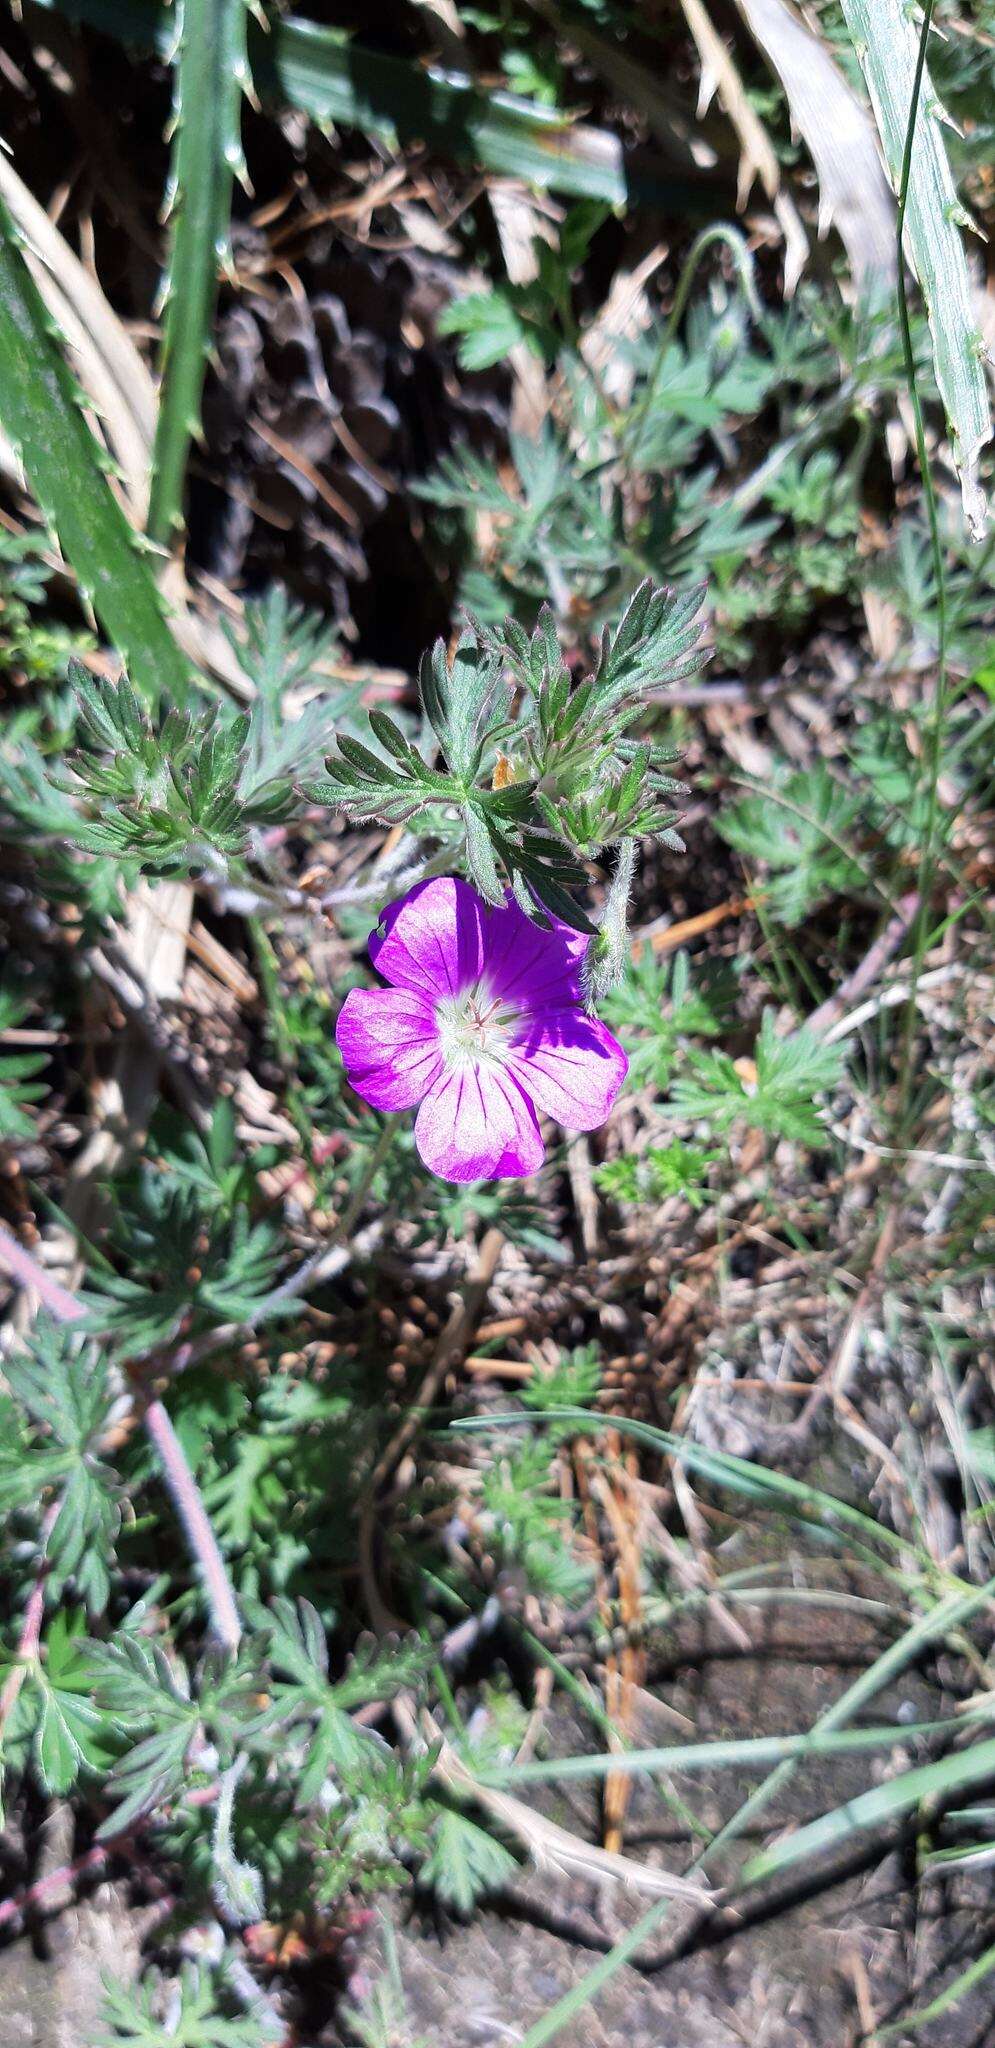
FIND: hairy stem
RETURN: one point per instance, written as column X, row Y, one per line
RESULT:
column 732, row 240
column 186, row 1498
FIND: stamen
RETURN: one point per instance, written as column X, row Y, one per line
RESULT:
column 476, row 1025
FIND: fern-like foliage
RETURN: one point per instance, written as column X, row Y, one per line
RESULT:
column 65, row 1400
column 791, row 1073
column 176, row 794
column 465, row 1862
column 190, row 2011
column 801, row 832
column 55, row 1721
column 181, row 1276
column 539, row 788
column 658, row 1173
column 305, row 1699
column 168, row 1721
column 288, row 653
column 33, row 644
column 658, row 1007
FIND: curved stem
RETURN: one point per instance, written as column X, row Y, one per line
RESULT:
column 733, row 240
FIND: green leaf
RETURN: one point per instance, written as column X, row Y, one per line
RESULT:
column 174, row 794
column 799, row 831
column 134, row 1683
column 187, row 2013
column 457, row 692
column 67, row 1399
column 489, row 326
column 657, row 1174
column 304, row 1698
column 886, row 36
column 70, row 1730
column 298, row 63
column 465, row 1862
column 41, row 413
column 790, row 1073
column 210, row 73
column 654, row 643
column 658, row 1006
column 480, row 855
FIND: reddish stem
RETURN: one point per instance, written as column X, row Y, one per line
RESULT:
column 189, row 1506
column 25, row 1269
column 13, row 1909
column 27, row 1647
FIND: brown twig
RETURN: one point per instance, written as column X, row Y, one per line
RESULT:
column 691, row 927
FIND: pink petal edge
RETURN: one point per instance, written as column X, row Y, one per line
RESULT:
column 389, row 1041
column 476, row 1123
column 432, row 939
column 571, row 1066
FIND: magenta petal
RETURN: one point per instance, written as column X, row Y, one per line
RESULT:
column 529, row 964
column 476, row 1124
column 570, row 1065
column 389, row 1043
column 433, row 938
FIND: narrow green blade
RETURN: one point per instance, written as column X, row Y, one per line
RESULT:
column 211, row 71
column 885, row 35
column 937, row 1781
column 41, row 412
column 331, row 78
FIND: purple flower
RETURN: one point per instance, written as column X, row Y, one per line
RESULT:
column 483, row 1025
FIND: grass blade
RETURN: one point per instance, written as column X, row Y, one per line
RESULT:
column 705, row 1756
column 959, row 1987
column 881, row 1803
column 761, row 1483
column 886, row 40
column 41, row 413
column 319, row 70
column 938, row 1623
column 211, row 72
column 931, row 1627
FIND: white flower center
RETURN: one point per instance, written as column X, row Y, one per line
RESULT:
column 475, row 1026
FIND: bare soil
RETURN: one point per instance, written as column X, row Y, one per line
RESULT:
column 813, row 1968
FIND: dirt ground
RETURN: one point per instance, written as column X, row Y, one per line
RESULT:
column 820, row 1970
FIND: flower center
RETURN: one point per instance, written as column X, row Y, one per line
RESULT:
column 475, row 1025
